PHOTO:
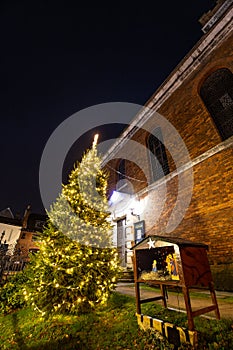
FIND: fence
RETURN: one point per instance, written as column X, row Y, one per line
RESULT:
column 10, row 263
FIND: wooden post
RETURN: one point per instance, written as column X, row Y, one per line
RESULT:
column 185, row 291
column 214, row 299
column 163, row 292
column 137, row 294
column 136, row 284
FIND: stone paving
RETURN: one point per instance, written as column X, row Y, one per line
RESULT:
column 175, row 300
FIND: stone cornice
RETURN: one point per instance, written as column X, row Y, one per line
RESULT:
column 219, row 148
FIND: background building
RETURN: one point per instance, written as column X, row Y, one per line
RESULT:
column 10, row 228
column 18, row 237
column 32, row 225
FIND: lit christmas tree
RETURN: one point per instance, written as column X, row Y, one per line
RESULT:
column 76, row 267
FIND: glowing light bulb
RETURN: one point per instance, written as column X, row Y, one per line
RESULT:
column 95, row 140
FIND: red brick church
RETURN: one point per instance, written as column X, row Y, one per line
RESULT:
column 178, row 179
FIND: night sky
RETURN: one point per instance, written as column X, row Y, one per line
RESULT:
column 60, row 57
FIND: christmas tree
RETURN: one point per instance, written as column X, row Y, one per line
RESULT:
column 76, row 267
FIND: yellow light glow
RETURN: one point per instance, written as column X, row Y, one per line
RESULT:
column 95, row 140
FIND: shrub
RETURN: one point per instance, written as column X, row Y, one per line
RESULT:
column 11, row 293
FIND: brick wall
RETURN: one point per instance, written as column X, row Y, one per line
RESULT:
column 209, row 218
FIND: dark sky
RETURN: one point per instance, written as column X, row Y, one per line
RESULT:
column 58, row 57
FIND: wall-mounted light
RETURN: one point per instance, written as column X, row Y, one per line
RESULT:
column 118, row 196
column 115, row 197
column 132, row 213
column 135, row 208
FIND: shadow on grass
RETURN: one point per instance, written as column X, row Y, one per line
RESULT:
column 18, row 335
column 68, row 344
column 119, row 300
column 65, row 344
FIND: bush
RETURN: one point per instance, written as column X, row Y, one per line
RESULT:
column 11, row 293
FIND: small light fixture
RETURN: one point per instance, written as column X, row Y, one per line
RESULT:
column 115, row 197
column 132, row 213
column 135, row 208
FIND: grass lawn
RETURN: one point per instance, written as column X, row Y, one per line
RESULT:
column 110, row 327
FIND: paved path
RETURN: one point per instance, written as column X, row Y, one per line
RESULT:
column 175, row 300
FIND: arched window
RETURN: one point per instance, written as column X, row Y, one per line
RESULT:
column 217, row 94
column 121, row 170
column 157, row 154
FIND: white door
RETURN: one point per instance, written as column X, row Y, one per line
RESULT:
column 121, row 242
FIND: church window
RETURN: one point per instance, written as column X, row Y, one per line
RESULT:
column 121, row 170
column 157, row 155
column 217, row 94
